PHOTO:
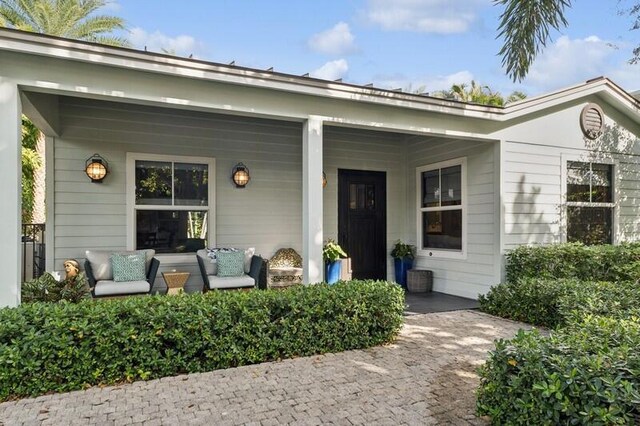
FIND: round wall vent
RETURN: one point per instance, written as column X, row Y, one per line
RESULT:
column 592, row 121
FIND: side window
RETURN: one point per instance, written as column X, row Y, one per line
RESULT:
column 441, row 208
column 590, row 202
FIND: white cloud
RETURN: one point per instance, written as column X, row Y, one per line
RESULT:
column 571, row 61
column 334, row 41
column 425, row 83
column 182, row 45
column 568, row 61
column 429, row 16
column 332, row 70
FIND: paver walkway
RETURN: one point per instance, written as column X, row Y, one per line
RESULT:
column 426, row 377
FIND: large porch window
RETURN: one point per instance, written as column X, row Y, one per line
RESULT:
column 170, row 202
column 441, row 193
column 590, row 203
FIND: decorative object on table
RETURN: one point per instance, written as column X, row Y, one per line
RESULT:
column 332, row 253
column 284, row 269
column 403, row 255
column 71, row 268
column 175, row 281
column 419, row 281
column 96, row 168
column 47, row 288
column 240, row 175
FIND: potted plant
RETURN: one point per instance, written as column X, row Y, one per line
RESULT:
column 331, row 253
column 403, row 255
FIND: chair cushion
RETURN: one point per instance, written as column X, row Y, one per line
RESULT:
column 231, row 264
column 230, row 282
column 128, row 267
column 112, row 288
column 210, row 265
column 100, row 261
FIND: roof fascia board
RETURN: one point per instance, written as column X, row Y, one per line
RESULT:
column 37, row 44
column 144, row 61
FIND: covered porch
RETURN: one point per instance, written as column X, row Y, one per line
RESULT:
column 169, row 110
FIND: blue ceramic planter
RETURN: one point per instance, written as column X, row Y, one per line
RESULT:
column 332, row 272
column 401, row 267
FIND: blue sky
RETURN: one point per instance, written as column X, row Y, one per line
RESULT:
column 391, row 43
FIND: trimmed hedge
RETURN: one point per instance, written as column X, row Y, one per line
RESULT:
column 588, row 370
column 63, row 347
column 575, row 260
column 552, row 303
column 587, row 373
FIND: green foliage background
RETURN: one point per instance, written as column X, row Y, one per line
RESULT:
column 587, row 371
column 30, row 162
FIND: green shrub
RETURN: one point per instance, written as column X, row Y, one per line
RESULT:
column 552, row 303
column 47, row 289
column 587, row 373
column 575, row 260
column 60, row 347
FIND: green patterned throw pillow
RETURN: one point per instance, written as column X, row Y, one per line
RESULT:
column 128, row 266
column 231, row 264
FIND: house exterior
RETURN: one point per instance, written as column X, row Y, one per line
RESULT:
column 465, row 183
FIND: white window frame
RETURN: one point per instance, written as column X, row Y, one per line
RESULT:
column 437, row 252
column 614, row 205
column 171, row 258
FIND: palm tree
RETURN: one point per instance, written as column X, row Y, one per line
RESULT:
column 76, row 19
column 525, row 26
column 478, row 94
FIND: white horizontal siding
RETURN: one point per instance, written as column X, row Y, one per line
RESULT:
column 266, row 214
column 533, row 199
column 478, row 272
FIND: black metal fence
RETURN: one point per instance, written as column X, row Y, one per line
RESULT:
column 33, row 250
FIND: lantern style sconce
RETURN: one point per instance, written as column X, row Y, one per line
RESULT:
column 324, row 180
column 240, row 175
column 96, row 168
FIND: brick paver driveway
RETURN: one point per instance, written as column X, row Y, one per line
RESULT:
column 426, row 377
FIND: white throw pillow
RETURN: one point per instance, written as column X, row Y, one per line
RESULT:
column 210, row 265
column 248, row 254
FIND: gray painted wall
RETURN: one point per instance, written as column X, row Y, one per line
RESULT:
column 267, row 214
column 475, row 274
column 535, row 153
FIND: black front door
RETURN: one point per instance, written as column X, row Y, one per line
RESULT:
column 362, row 221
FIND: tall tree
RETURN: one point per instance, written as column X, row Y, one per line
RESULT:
column 30, row 162
column 477, row 94
column 76, row 19
column 526, row 25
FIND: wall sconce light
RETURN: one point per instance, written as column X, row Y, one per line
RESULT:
column 324, row 179
column 240, row 175
column 96, row 168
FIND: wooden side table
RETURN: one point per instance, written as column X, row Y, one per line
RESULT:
column 175, row 281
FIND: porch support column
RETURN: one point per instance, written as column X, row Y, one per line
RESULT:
column 10, row 194
column 312, row 233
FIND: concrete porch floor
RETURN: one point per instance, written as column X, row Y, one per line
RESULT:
column 425, row 303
